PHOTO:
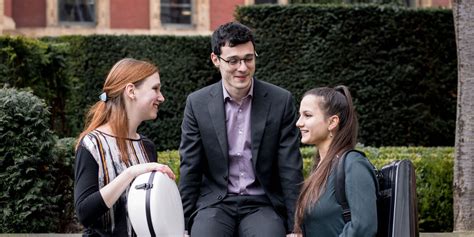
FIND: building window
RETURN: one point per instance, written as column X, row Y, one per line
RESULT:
column 176, row 12
column 265, row 1
column 76, row 11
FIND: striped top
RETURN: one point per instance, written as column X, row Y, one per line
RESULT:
column 98, row 162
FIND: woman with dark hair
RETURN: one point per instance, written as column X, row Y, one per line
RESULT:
column 110, row 153
column 329, row 122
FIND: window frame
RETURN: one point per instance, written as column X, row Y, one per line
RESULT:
column 76, row 23
column 175, row 24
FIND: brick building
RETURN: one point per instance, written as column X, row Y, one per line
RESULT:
column 35, row 18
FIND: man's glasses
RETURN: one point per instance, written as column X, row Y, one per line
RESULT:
column 236, row 61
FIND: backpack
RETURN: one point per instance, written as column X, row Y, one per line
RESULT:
column 397, row 213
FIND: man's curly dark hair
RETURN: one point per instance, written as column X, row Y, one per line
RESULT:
column 232, row 33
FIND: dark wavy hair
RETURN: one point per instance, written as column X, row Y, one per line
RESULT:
column 232, row 33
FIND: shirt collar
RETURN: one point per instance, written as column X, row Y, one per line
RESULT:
column 227, row 96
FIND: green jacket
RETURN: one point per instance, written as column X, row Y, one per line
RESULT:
column 325, row 217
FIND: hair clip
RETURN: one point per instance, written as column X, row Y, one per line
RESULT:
column 103, row 97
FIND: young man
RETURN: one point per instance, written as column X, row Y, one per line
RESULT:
column 241, row 168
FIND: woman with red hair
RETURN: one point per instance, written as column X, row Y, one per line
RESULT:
column 110, row 153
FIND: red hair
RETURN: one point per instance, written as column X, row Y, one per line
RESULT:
column 113, row 111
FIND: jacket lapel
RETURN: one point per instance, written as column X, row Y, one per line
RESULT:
column 260, row 107
column 217, row 114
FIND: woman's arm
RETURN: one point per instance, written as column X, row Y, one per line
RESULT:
column 87, row 199
column 112, row 191
column 91, row 202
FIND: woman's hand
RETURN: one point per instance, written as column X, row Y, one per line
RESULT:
column 139, row 169
column 112, row 191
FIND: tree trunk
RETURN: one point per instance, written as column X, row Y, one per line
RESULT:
column 463, row 192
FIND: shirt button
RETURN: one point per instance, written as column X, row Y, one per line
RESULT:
column 241, row 174
column 240, row 110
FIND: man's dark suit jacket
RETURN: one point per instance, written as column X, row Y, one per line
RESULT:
column 203, row 150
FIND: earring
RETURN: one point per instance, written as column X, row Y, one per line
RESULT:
column 330, row 134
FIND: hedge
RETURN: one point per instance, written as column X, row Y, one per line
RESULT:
column 184, row 65
column 29, row 199
column 381, row 2
column 434, row 174
column 63, row 169
column 41, row 67
column 400, row 65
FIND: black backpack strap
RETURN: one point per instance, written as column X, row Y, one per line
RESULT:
column 340, row 185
